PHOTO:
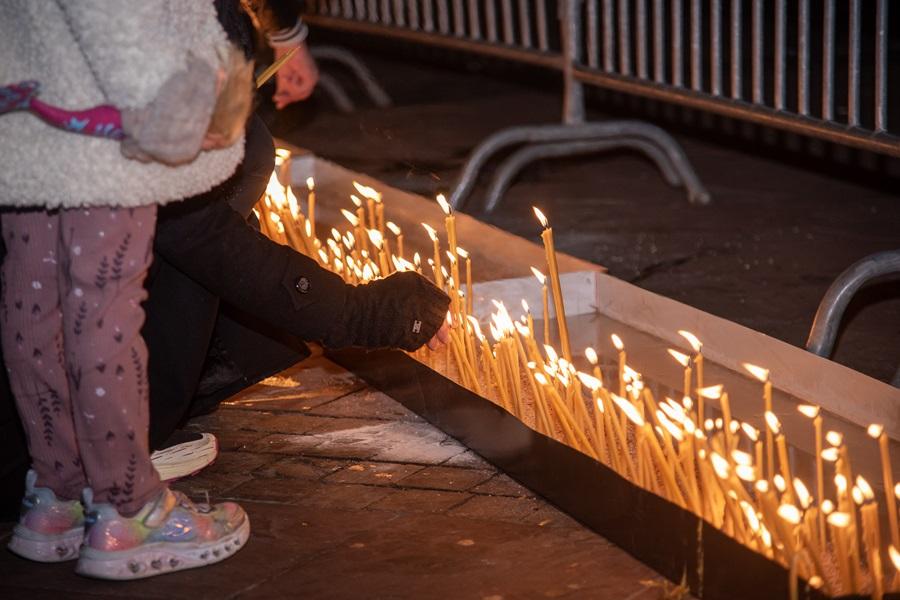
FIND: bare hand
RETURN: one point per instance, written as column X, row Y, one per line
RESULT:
column 297, row 78
column 440, row 338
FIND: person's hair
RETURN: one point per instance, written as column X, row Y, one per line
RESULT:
column 235, row 100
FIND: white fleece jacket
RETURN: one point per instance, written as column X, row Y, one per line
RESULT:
column 87, row 53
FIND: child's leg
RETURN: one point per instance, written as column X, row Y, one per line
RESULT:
column 32, row 348
column 108, row 252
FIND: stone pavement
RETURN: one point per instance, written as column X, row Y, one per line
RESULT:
column 350, row 495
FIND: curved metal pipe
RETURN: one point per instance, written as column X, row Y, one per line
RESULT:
column 831, row 309
column 610, row 130
column 511, row 167
column 376, row 93
column 335, row 91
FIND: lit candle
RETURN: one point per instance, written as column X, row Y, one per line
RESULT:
column 556, row 287
column 438, row 274
column 617, row 342
column 591, row 355
column 542, row 279
column 763, row 375
column 685, row 361
column 814, row 413
column 378, row 241
column 877, row 432
column 838, row 522
column 398, row 234
column 311, row 204
column 774, row 425
column 470, row 295
column 697, row 347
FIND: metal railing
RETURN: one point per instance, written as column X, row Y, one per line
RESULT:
column 818, row 68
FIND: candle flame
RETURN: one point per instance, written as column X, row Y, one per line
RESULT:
column 541, row 217
column 758, row 372
column 589, row 381
column 682, row 358
column 808, row 410
column 350, row 217
column 830, row 454
column 445, row 206
column 773, row 422
column 751, row 431
column 745, row 472
column 895, row 557
column 713, row 392
column 393, row 227
column 308, row 228
column 539, row 377
column 691, row 339
column 282, row 153
column 875, row 430
column 552, row 356
column 431, row 232
column 356, row 201
column 720, row 465
column 462, row 252
column 335, row 234
column 310, row 184
column 542, row 279
column 750, row 514
column 629, row 409
column 476, row 327
column 761, row 486
column 591, row 355
column 803, row 494
column 617, row 342
column 790, row 513
column 779, row 482
column 864, row 487
column 857, row 495
column 376, row 238
column 834, row 438
column 840, row 482
column 323, row 256
column 674, row 431
column 417, row 260
column 367, row 192
column 742, row 458
column 367, row 272
column 451, row 257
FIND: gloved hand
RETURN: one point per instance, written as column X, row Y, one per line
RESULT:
column 171, row 128
column 404, row 311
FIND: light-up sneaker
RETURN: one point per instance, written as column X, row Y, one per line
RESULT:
column 170, row 533
column 49, row 529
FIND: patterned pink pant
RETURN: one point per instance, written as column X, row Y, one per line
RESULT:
column 71, row 317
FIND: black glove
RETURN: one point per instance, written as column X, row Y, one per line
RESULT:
column 404, row 310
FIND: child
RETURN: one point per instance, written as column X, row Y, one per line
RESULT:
column 78, row 228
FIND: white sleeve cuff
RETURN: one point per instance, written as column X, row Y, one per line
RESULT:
column 292, row 36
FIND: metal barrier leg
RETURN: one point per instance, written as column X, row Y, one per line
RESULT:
column 831, row 309
column 374, row 89
column 514, row 164
column 610, row 130
column 333, row 89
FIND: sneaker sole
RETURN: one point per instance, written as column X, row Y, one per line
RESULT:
column 160, row 558
column 46, row 548
column 185, row 460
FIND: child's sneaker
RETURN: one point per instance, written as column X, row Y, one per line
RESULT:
column 170, row 533
column 49, row 529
